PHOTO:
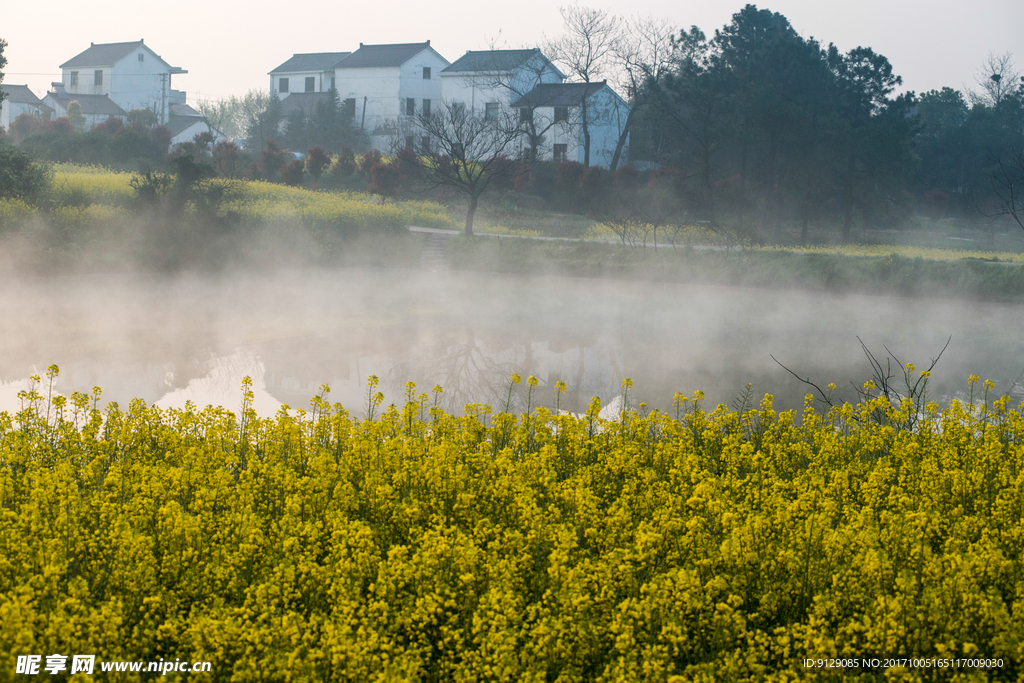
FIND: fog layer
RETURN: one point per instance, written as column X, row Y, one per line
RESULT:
column 193, row 337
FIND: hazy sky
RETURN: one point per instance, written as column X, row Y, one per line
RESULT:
column 229, row 46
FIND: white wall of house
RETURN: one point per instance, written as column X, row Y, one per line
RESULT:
column 606, row 114
column 82, row 80
column 139, row 80
column 142, row 84
column 195, row 129
column 12, row 110
column 384, row 93
column 477, row 88
column 537, row 70
column 417, row 88
column 414, row 85
column 297, row 82
column 376, row 91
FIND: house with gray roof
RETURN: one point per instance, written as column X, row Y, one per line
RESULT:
column 20, row 100
column 486, row 80
column 556, row 110
column 311, row 72
column 96, row 108
column 384, row 87
column 130, row 74
column 184, row 123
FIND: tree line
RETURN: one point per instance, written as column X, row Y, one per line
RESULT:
column 771, row 128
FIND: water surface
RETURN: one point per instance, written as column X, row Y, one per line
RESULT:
column 193, row 337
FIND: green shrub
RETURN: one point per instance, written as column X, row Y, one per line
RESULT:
column 20, row 177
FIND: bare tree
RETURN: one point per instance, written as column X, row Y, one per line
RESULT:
column 642, row 53
column 585, row 52
column 514, row 73
column 469, row 368
column 997, row 79
column 636, row 211
column 467, row 151
column 225, row 115
column 1007, row 178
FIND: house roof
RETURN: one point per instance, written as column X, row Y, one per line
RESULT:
column 179, row 124
column 311, row 61
column 103, row 54
column 490, row 60
column 395, row 54
column 185, row 110
column 92, row 105
column 21, row 94
column 558, row 94
column 305, row 101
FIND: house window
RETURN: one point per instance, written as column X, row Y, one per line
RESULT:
column 458, row 151
column 525, row 115
column 74, row 79
column 491, row 111
column 282, row 85
column 560, row 152
column 426, row 107
column 410, row 106
column 561, row 114
column 426, row 73
column 142, row 57
column 425, row 144
column 409, row 142
column 310, row 83
column 97, row 77
column 350, row 107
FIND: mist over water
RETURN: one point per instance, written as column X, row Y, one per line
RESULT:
column 194, row 336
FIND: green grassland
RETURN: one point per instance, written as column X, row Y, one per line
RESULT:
column 823, row 269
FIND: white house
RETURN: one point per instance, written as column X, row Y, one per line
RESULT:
column 184, row 123
column 384, row 87
column 556, row 109
column 130, row 74
column 20, row 100
column 487, row 79
column 309, row 72
column 96, row 108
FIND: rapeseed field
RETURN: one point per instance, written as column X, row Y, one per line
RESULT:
column 255, row 202
column 416, row 545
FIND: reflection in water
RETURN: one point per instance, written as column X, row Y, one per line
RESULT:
column 195, row 337
column 9, row 391
column 222, row 386
column 476, row 368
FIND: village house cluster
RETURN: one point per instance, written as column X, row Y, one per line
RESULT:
column 383, row 88
column 110, row 80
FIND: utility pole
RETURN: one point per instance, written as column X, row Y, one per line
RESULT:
column 163, row 98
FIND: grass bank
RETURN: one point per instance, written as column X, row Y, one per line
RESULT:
column 94, row 217
column 893, row 274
